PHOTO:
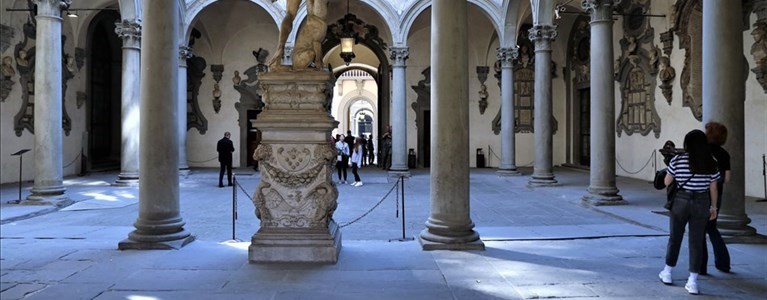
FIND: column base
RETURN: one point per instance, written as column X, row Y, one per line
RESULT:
column 184, row 171
column 48, row 196
column 735, row 226
column 430, row 241
column 508, row 172
column 603, row 196
column 126, row 179
column 542, row 181
column 394, row 175
column 296, row 245
column 138, row 241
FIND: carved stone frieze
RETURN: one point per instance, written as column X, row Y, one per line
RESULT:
column 666, row 74
column 482, row 76
column 81, row 98
column 636, row 72
column 7, row 33
column 217, row 71
column 688, row 26
column 667, row 39
column 195, row 73
column 294, row 192
column 285, row 96
column 24, row 55
column 759, row 52
column 6, row 82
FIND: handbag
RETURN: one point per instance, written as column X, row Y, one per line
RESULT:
column 673, row 188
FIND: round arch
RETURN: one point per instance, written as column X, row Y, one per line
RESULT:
column 344, row 108
column 194, row 7
column 488, row 7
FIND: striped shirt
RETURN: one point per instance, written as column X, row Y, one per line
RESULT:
column 679, row 167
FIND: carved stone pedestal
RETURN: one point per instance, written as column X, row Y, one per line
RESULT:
column 296, row 197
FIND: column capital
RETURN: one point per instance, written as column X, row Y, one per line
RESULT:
column 130, row 32
column 542, row 35
column 398, row 55
column 185, row 53
column 507, row 56
column 600, row 10
column 543, row 32
column 51, row 8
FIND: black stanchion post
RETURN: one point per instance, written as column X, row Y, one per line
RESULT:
column 19, row 154
column 402, row 181
column 234, row 204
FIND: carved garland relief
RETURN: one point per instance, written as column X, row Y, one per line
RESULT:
column 287, row 170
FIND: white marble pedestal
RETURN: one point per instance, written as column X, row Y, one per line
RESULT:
column 296, row 197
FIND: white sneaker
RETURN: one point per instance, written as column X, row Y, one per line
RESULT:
column 359, row 183
column 353, row 183
column 691, row 288
column 665, row 277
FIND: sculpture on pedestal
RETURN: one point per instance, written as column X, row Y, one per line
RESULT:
column 296, row 196
column 307, row 52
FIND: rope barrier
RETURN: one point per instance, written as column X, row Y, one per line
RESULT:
column 342, row 225
column 202, row 161
column 652, row 154
column 373, row 208
column 73, row 161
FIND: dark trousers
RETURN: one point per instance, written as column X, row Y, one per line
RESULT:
column 354, row 171
column 228, row 167
column 371, row 158
column 721, row 255
column 341, row 168
column 385, row 159
column 689, row 208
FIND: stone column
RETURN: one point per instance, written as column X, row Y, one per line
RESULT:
column 508, row 157
column 399, row 165
column 723, row 94
column 130, row 32
column 159, row 224
column 49, row 178
column 184, row 53
column 449, row 226
column 296, row 196
column 602, row 189
column 543, row 172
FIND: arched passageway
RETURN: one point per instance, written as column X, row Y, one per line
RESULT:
column 104, row 90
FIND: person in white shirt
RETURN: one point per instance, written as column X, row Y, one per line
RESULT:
column 342, row 162
column 357, row 161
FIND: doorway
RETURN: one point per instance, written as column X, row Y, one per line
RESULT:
column 104, row 88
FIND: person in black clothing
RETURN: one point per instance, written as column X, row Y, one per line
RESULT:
column 716, row 133
column 349, row 139
column 225, row 147
column 371, row 150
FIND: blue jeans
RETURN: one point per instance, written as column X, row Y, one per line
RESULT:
column 693, row 208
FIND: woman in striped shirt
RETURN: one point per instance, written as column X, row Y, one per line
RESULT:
column 696, row 175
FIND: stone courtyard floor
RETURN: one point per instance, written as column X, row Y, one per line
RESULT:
column 540, row 243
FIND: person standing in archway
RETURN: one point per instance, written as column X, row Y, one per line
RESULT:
column 385, row 159
column 371, row 150
column 225, row 148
